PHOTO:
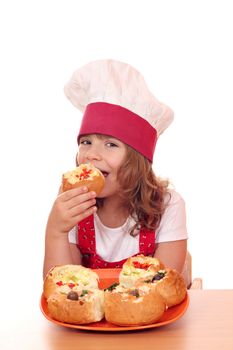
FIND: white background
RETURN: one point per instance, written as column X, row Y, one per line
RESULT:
column 184, row 50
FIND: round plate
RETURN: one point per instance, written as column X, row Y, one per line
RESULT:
column 108, row 277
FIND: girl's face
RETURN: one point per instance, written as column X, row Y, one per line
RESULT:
column 107, row 154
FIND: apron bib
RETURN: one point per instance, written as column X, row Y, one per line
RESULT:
column 87, row 245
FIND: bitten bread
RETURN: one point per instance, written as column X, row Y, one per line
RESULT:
column 84, row 175
column 133, row 306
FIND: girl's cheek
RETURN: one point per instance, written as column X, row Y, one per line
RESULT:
column 79, row 158
column 76, row 160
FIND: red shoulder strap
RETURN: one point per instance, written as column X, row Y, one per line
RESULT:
column 147, row 242
column 86, row 236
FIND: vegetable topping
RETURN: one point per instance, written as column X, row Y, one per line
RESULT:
column 113, row 286
column 69, row 284
column 135, row 293
column 84, row 292
column 139, row 265
column 84, row 174
column 72, row 295
column 159, row 275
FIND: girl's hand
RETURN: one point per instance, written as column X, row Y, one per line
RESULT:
column 70, row 208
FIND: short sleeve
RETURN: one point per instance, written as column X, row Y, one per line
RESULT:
column 72, row 235
column 173, row 223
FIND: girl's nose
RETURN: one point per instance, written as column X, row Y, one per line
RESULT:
column 93, row 154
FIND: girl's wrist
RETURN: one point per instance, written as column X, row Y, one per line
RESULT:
column 55, row 233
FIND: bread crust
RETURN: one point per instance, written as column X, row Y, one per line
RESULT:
column 87, row 309
column 139, row 268
column 125, row 309
column 64, row 278
column 84, row 175
column 171, row 287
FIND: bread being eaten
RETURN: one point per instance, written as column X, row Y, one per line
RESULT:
column 84, row 175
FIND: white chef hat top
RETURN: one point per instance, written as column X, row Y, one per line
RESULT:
column 117, row 102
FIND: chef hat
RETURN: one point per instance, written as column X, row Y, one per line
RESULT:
column 116, row 101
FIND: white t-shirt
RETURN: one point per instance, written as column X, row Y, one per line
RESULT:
column 115, row 244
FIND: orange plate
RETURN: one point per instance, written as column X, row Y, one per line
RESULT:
column 108, row 277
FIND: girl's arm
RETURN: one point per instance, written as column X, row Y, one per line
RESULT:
column 69, row 208
column 172, row 254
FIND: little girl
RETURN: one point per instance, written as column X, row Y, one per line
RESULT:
column 136, row 212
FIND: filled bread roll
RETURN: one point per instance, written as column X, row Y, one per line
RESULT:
column 77, row 307
column 65, row 278
column 170, row 285
column 138, row 269
column 133, row 306
column 84, row 175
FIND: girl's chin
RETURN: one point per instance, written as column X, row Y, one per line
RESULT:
column 110, row 189
column 102, row 194
column 108, row 195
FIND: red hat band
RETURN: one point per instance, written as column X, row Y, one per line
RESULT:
column 121, row 123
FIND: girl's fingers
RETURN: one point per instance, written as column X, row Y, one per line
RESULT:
column 81, row 208
column 68, row 195
column 80, row 199
column 85, row 214
column 74, row 197
column 73, row 206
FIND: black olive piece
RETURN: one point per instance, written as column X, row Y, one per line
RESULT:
column 135, row 293
column 72, row 295
column 158, row 276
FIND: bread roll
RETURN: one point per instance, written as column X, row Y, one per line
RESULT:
column 84, row 175
column 133, row 306
column 65, row 278
column 170, row 285
column 138, row 269
column 84, row 306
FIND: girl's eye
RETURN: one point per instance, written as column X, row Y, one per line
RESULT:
column 85, row 142
column 111, row 144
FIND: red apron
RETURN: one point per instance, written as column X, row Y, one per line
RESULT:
column 87, row 245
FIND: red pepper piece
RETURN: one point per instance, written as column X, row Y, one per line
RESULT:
column 60, row 283
column 84, row 174
column 139, row 265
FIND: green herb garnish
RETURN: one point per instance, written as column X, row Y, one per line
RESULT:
column 113, row 286
column 84, row 292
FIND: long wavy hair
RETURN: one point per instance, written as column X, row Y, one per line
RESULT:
column 143, row 194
